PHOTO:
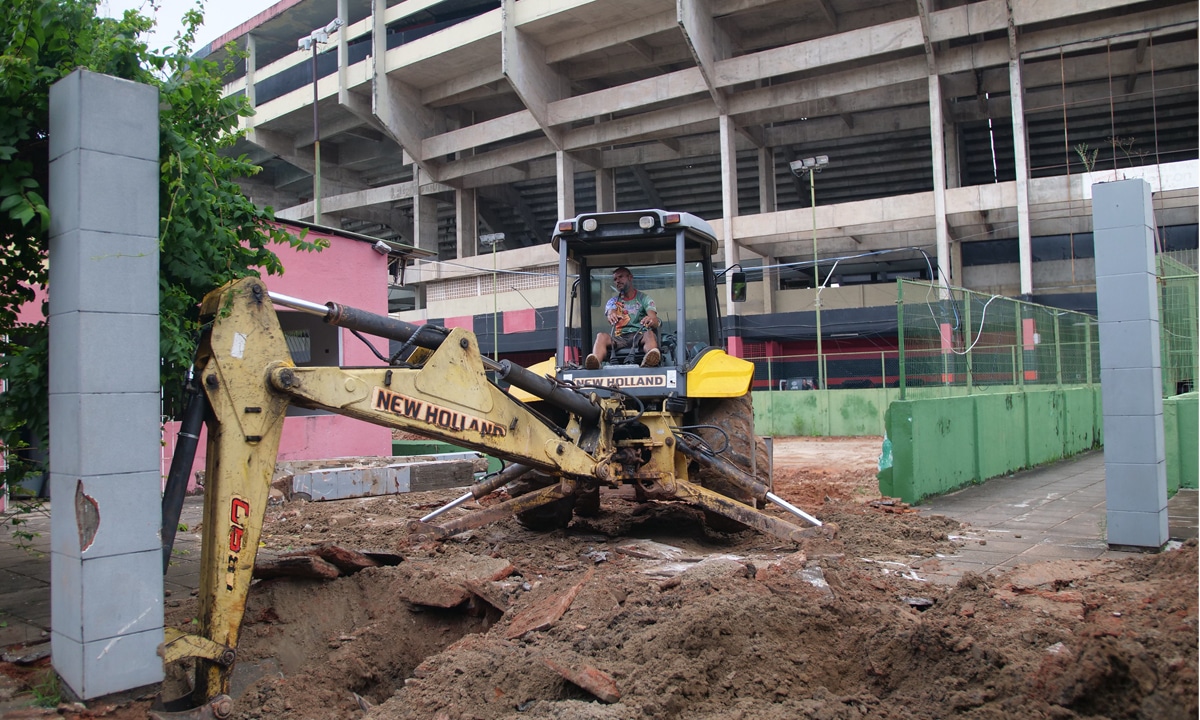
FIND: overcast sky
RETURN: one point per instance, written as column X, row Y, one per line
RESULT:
column 220, row 16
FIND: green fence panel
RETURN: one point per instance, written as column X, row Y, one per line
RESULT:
column 940, row 444
column 1001, row 441
column 1044, row 424
column 1079, row 410
column 1180, row 429
column 821, row 413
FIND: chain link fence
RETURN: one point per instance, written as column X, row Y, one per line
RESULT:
column 1177, row 295
column 954, row 341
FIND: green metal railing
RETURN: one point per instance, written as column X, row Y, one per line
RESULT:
column 954, row 341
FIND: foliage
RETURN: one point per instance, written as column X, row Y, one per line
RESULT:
column 210, row 232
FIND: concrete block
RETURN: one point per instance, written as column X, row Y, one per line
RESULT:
column 91, row 190
column 102, row 272
column 66, row 653
column 1133, row 439
column 98, row 352
column 108, row 104
column 122, row 663
column 1133, row 344
column 122, row 594
column 66, row 597
column 108, row 434
column 1120, row 251
column 1137, row 529
column 1120, row 204
column 1139, row 487
column 1132, row 391
column 110, row 515
column 1130, row 297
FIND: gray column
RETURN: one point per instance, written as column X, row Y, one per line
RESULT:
column 938, row 144
column 606, row 190
column 1130, row 364
column 466, row 226
column 729, row 205
column 766, row 180
column 106, row 588
column 425, row 223
column 565, row 184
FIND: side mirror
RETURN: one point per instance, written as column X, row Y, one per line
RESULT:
column 738, row 282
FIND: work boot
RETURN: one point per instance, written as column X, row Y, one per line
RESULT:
column 591, row 362
column 652, row 359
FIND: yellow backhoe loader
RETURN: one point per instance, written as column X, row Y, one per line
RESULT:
column 681, row 430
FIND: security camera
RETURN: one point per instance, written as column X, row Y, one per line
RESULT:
column 381, row 247
column 333, row 25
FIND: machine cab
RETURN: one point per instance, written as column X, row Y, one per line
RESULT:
column 670, row 257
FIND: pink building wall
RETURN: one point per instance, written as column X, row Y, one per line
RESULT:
column 348, row 272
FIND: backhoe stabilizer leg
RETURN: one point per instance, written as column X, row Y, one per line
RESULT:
column 423, row 532
column 732, row 473
column 746, row 515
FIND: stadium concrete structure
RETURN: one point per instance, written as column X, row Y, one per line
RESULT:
column 963, row 138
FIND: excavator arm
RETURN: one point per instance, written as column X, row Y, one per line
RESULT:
column 439, row 388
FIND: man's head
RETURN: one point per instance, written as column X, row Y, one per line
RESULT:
column 623, row 280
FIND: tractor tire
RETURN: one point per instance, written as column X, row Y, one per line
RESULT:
column 735, row 416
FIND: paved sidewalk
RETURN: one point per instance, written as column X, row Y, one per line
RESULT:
column 1055, row 512
column 25, row 573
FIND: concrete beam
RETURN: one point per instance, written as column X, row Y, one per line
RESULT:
column 523, row 62
column 707, row 42
column 396, row 106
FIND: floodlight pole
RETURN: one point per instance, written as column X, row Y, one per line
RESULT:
column 315, row 38
column 814, row 165
column 316, row 144
column 812, row 189
column 494, row 239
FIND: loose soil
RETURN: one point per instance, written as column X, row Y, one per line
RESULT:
column 654, row 614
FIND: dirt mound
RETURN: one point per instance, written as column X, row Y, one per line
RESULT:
column 646, row 611
column 687, row 622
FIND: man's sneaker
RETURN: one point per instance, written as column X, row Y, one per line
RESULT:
column 652, row 359
column 591, row 362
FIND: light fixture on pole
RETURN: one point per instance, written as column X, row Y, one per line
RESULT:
column 812, row 166
column 317, row 37
column 494, row 239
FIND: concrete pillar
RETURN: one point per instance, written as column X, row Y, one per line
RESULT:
column 770, row 281
column 425, row 227
column 766, row 180
column 106, row 586
column 1130, row 364
column 566, row 184
column 251, row 71
column 1020, row 158
column 606, row 190
column 466, row 222
column 938, row 144
column 729, row 205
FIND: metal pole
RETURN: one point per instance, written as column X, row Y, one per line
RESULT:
column 495, row 309
column 316, row 144
column 902, row 371
column 812, row 186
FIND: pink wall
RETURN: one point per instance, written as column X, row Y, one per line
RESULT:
column 348, row 272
